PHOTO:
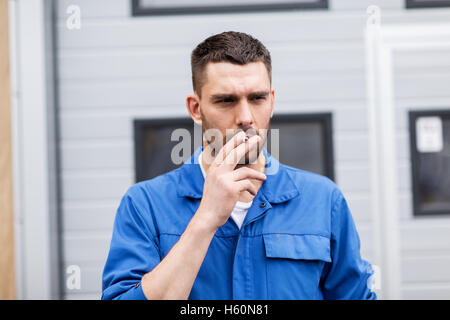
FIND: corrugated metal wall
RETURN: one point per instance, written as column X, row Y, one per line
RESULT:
column 118, row 67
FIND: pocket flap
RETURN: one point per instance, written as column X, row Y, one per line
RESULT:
column 297, row 246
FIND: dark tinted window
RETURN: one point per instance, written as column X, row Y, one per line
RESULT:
column 411, row 4
column 164, row 7
column 305, row 143
column 430, row 154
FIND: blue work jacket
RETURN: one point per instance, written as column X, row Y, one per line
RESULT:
column 298, row 239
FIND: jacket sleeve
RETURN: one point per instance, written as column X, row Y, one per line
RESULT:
column 133, row 252
column 348, row 276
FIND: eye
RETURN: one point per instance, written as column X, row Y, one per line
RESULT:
column 224, row 101
column 259, row 98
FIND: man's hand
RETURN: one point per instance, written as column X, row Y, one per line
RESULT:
column 174, row 276
column 223, row 184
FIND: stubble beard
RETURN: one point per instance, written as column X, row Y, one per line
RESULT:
column 250, row 157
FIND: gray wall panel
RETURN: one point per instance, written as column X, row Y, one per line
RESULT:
column 117, row 68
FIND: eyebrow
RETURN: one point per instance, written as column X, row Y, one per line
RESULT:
column 258, row 94
column 222, row 96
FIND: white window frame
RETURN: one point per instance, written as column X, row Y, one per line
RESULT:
column 382, row 42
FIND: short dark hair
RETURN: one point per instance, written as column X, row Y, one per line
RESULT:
column 234, row 47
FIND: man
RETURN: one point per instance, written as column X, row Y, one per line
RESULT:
column 221, row 226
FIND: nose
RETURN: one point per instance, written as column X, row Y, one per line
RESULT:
column 244, row 117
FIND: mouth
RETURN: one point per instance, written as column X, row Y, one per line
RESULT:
column 249, row 133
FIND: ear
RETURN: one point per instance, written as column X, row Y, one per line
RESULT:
column 272, row 93
column 193, row 107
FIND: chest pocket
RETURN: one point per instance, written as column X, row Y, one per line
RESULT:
column 294, row 264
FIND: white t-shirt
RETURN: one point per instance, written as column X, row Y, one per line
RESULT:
column 240, row 209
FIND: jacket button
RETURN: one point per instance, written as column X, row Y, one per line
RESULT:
column 262, row 205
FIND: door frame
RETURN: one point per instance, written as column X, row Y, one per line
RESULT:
column 381, row 43
column 35, row 149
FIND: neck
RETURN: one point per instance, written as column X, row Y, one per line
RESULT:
column 259, row 165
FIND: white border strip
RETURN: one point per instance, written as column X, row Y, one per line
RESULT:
column 15, row 139
column 34, row 259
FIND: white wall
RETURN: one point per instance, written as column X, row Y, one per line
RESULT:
column 118, row 67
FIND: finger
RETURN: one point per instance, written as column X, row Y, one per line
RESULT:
column 230, row 145
column 246, row 185
column 248, row 173
column 237, row 153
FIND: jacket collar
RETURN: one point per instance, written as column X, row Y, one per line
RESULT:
column 277, row 188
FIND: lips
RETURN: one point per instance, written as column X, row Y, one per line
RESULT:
column 249, row 132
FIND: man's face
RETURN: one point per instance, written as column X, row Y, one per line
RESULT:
column 237, row 97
